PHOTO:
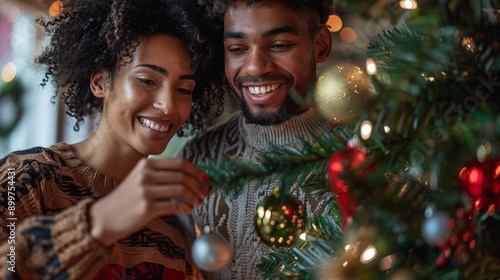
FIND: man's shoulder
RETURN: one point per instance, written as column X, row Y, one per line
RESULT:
column 213, row 141
column 217, row 132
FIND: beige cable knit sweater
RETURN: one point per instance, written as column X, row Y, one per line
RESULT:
column 234, row 219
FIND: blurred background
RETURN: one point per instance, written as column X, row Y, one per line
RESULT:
column 29, row 118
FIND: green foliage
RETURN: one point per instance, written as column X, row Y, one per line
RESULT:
column 288, row 165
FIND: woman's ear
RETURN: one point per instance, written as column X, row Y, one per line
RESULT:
column 323, row 43
column 99, row 83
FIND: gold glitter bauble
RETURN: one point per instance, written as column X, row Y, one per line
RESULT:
column 342, row 93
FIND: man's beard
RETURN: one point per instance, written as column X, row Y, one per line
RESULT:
column 262, row 117
column 289, row 106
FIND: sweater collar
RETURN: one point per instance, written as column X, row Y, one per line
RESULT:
column 304, row 125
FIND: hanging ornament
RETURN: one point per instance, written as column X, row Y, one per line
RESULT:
column 481, row 181
column 436, row 228
column 342, row 93
column 210, row 251
column 280, row 220
column 346, row 160
column 465, row 55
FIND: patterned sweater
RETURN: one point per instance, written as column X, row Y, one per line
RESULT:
column 234, row 218
column 45, row 197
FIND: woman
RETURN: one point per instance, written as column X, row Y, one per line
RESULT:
column 100, row 209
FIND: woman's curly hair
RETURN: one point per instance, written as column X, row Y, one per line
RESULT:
column 103, row 34
column 320, row 8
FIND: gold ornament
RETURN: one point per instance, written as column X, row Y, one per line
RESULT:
column 342, row 93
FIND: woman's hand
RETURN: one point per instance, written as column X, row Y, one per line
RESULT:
column 155, row 187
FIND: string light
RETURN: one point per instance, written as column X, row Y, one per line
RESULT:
column 366, row 129
column 371, row 67
column 369, row 254
column 303, row 236
column 408, row 4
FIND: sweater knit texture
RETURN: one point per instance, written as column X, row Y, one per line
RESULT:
column 45, row 197
column 234, row 217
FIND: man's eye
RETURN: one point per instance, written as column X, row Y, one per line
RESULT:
column 281, row 46
column 236, row 50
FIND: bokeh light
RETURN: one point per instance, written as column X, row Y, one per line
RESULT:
column 371, row 67
column 9, row 72
column 408, row 4
column 56, row 8
column 348, row 35
column 334, row 23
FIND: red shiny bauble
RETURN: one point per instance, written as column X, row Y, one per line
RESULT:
column 481, row 181
column 345, row 160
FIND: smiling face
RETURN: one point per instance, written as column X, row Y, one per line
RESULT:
column 270, row 52
column 149, row 99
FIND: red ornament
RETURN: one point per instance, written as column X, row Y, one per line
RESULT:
column 481, row 181
column 345, row 160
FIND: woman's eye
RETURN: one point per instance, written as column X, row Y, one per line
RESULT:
column 146, row 81
column 185, row 91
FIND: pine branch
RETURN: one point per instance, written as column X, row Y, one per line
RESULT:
column 286, row 164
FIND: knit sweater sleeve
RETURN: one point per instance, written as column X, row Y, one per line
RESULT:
column 40, row 245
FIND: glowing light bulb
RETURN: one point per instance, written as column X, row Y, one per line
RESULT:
column 366, row 130
column 408, row 4
column 368, row 254
column 303, row 236
column 371, row 67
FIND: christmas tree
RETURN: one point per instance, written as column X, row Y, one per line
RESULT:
column 413, row 169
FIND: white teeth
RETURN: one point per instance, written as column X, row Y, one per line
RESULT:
column 262, row 90
column 154, row 126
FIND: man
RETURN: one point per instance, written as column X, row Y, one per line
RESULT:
column 271, row 51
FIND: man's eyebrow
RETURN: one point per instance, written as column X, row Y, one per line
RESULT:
column 271, row 32
column 279, row 30
column 164, row 71
column 233, row 35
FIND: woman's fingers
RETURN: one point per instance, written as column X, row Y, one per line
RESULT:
column 164, row 172
column 179, row 164
column 155, row 187
column 173, row 191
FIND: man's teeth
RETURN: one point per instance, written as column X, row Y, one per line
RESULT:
column 262, row 90
column 154, row 126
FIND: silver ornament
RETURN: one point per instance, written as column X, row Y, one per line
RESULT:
column 435, row 229
column 210, row 251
